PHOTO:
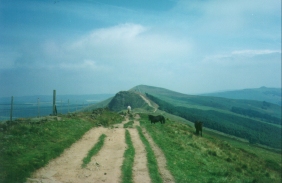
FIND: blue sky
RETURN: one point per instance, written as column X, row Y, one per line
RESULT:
column 105, row 46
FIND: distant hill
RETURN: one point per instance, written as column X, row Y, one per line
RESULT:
column 272, row 95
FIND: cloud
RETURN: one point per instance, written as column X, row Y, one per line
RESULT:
column 255, row 52
column 103, row 49
column 84, row 65
column 119, row 45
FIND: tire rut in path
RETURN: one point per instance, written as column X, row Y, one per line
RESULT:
column 161, row 160
column 140, row 169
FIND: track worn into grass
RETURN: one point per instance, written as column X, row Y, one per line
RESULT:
column 105, row 166
column 140, row 169
column 165, row 173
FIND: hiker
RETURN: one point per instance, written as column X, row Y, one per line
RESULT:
column 128, row 109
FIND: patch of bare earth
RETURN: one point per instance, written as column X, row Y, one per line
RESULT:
column 104, row 166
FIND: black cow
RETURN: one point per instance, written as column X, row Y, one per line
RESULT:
column 199, row 127
column 155, row 119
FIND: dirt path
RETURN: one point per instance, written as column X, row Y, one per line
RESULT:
column 109, row 158
column 148, row 102
column 104, row 166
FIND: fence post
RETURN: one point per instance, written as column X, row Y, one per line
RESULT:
column 11, row 112
column 54, row 103
column 68, row 105
column 38, row 109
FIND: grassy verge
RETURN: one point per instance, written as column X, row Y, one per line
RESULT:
column 128, row 125
column 94, row 150
column 128, row 160
column 24, row 147
column 191, row 158
column 152, row 162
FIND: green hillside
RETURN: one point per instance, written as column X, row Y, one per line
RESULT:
column 210, row 103
column 212, row 158
column 256, row 121
column 271, row 95
column 219, row 159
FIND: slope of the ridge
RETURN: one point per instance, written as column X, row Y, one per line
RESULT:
column 123, row 99
column 249, row 107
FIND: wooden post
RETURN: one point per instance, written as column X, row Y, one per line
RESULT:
column 11, row 112
column 54, row 103
column 68, row 105
column 38, row 109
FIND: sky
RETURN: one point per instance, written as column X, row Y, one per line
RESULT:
column 107, row 46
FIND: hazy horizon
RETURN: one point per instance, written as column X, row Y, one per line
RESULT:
column 106, row 46
column 59, row 94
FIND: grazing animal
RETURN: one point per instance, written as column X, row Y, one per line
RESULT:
column 155, row 119
column 199, row 127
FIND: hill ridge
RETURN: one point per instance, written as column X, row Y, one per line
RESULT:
column 272, row 95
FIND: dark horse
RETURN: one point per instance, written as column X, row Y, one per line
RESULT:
column 155, row 119
column 199, row 127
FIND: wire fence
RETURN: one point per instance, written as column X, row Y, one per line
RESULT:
column 39, row 109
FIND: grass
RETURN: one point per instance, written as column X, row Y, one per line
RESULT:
column 94, row 150
column 152, row 162
column 128, row 124
column 128, row 160
column 108, row 119
column 191, row 158
column 25, row 148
